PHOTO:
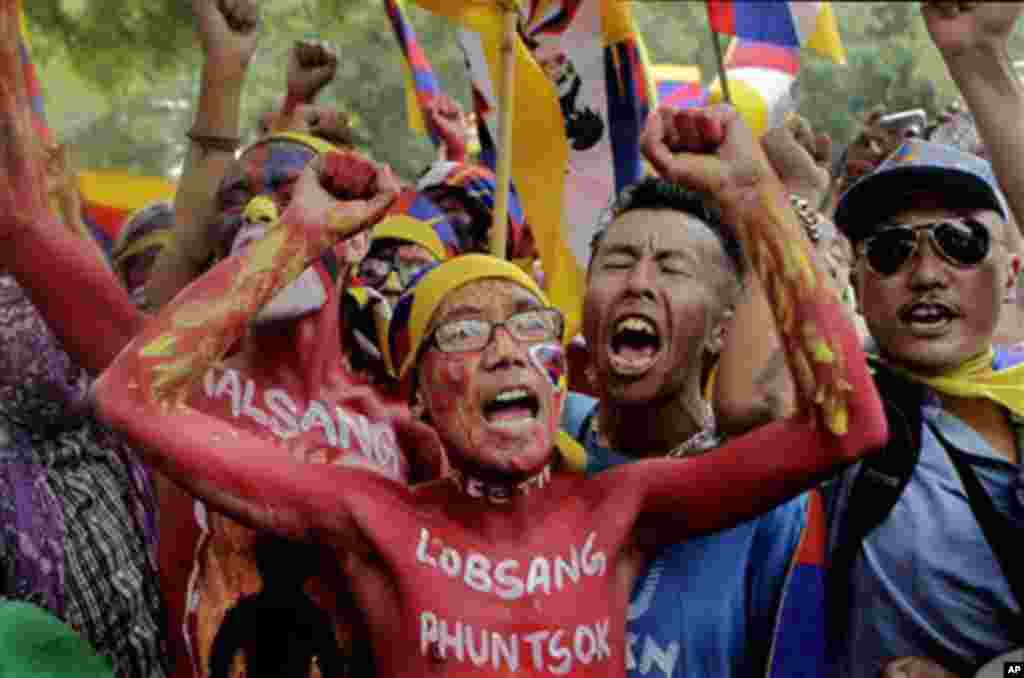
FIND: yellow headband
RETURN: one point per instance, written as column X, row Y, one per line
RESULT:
column 317, row 144
column 408, row 326
column 411, row 229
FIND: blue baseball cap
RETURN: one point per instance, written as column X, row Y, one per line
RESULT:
column 915, row 166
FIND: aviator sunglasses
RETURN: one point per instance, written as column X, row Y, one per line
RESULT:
column 961, row 242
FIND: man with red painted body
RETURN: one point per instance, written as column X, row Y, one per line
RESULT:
column 511, row 562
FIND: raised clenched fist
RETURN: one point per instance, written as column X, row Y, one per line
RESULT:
column 800, row 158
column 228, row 32
column 959, row 28
column 311, row 65
column 449, row 122
column 708, row 149
column 340, row 194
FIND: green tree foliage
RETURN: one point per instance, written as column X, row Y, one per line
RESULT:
column 121, row 75
column 136, row 78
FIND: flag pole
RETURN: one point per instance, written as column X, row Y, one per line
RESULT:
column 499, row 224
column 716, row 39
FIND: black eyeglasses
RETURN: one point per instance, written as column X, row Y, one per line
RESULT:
column 961, row 242
column 474, row 334
column 375, row 269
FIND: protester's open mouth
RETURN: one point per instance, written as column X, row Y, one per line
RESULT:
column 634, row 346
column 927, row 316
column 512, row 407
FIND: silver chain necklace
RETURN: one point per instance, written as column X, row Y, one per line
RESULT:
column 705, row 438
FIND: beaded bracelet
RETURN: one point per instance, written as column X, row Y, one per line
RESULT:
column 809, row 217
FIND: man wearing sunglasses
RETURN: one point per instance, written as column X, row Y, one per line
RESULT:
column 926, row 578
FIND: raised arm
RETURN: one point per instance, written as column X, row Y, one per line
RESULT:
column 753, row 386
column 228, row 35
column 66, row 195
column 144, row 393
column 839, row 415
column 73, row 288
column 449, row 121
column 973, row 40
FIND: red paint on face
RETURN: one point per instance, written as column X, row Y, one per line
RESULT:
column 460, row 390
column 660, row 272
column 971, row 297
column 267, row 169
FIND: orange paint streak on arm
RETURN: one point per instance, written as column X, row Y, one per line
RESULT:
column 193, row 332
column 238, row 473
column 822, row 347
column 144, row 396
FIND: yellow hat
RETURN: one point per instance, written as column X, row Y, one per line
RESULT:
column 413, row 312
column 316, row 143
column 411, row 229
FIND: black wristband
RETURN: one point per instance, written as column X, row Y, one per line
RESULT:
column 214, row 143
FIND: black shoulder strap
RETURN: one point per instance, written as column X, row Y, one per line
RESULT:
column 999, row 532
column 876, row 488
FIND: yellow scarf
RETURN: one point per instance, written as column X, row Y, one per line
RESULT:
column 975, row 378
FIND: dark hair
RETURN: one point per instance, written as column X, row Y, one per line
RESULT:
column 654, row 193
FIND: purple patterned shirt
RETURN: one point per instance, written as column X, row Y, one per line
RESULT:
column 77, row 510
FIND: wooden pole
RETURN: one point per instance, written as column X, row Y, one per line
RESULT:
column 499, row 224
column 717, row 41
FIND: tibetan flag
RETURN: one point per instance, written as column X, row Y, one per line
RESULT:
column 762, row 82
column 679, row 86
column 789, row 24
column 540, row 153
column 594, row 94
column 799, row 641
column 420, row 83
column 110, row 197
column 35, row 89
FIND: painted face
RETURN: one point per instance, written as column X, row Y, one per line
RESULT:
column 497, row 409
column 392, row 265
column 268, row 169
column 931, row 315
column 655, row 292
column 264, row 178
